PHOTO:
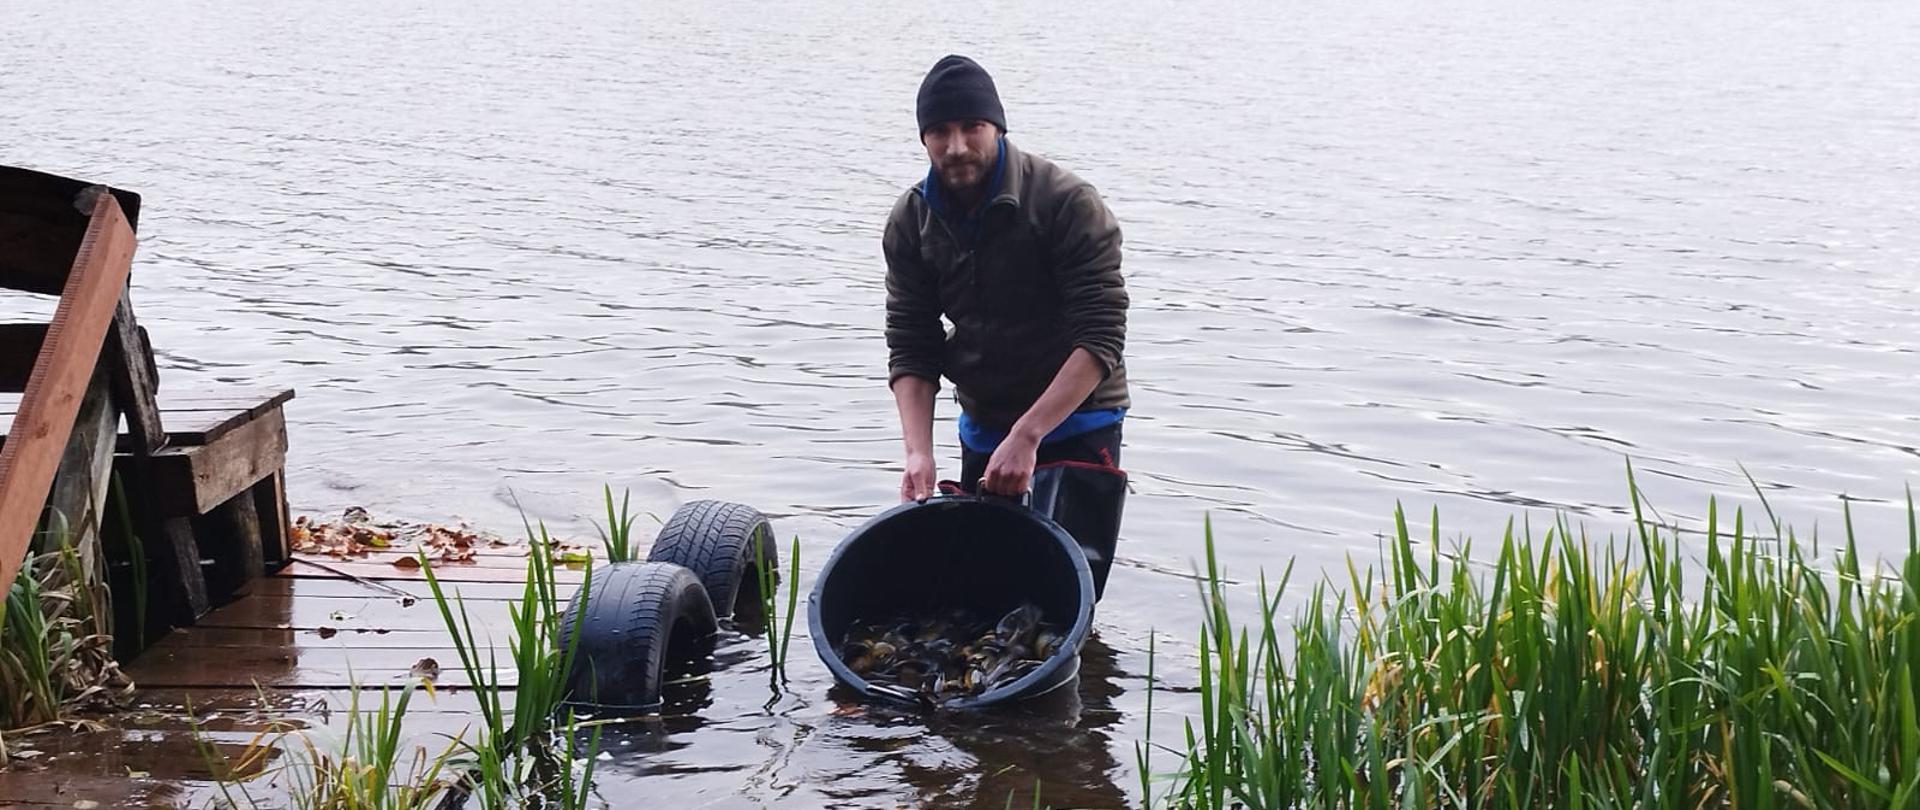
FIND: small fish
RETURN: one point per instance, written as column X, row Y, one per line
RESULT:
column 1046, row 643
column 950, row 654
column 1015, row 655
column 1018, row 624
column 899, row 693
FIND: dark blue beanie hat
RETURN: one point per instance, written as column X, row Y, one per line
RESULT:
column 957, row 88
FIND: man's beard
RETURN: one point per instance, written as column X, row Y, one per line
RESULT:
column 966, row 181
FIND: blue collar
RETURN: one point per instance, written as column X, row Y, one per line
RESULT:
column 930, row 187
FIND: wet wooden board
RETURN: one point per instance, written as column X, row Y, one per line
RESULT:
column 58, row 788
column 354, row 613
column 297, row 702
column 254, row 401
column 136, row 379
column 113, row 752
column 486, row 567
column 289, row 648
column 207, row 640
column 305, row 667
column 184, row 426
column 195, row 479
column 297, row 587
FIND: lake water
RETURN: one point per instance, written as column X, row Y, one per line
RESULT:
column 1464, row 255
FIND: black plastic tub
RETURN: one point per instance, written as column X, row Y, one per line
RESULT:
column 985, row 554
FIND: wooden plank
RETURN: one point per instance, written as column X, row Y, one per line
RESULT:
column 60, row 376
column 257, row 400
column 237, row 460
column 293, row 700
column 374, row 615
column 57, row 789
column 184, row 426
column 78, row 502
column 109, row 752
column 231, row 536
column 43, row 223
column 305, row 588
column 179, row 592
column 135, row 380
column 383, row 571
column 19, row 348
column 210, row 641
column 305, row 668
column 207, row 409
column 180, row 554
column 512, row 559
column 195, row 479
column 224, row 699
column 270, row 501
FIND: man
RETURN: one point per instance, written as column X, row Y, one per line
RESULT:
column 1024, row 259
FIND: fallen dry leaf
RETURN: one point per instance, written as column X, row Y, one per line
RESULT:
column 428, row 671
column 356, row 535
column 406, row 562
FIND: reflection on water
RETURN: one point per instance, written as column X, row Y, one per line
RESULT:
column 1469, row 256
column 837, row 751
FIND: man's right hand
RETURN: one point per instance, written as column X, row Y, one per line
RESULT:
column 916, row 484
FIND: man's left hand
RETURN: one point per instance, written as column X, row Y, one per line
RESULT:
column 1010, row 470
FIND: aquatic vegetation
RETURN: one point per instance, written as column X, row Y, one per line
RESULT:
column 769, row 590
column 364, row 770
column 1569, row 674
column 56, row 650
column 617, row 535
column 524, row 752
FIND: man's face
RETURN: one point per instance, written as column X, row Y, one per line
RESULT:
column 962, row 152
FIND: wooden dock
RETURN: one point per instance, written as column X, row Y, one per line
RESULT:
column 289, row 648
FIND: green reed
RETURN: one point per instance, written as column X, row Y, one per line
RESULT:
column 523, row 752
column 55, row 651
column 367, row 769
column 1571, row 673
column 768, row 578
column 617, row 535
column 27, row 656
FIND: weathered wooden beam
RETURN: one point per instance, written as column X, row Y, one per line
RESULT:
column 135, row 382
column 43, row 221
column 193, row 480
column 181, row 552
column 270, row 497
column 231, row 536
column 255, row 401
column 60, row 375
column 178, row 592
column 195, row 422
column 77, row 505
